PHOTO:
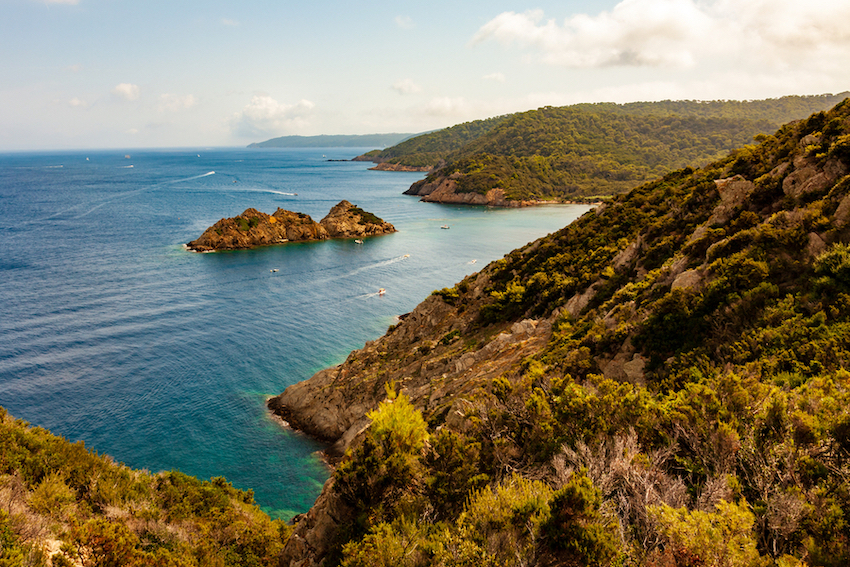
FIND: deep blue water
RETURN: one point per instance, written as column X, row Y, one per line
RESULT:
column 112, row 333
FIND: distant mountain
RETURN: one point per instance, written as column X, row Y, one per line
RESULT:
column 334, row 141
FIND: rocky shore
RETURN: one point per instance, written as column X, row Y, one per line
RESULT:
column 254, row 228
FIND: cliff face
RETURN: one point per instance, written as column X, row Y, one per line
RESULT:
column 678, row 314
column 254, row 228
column 444, row 190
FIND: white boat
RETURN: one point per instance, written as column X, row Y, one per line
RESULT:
column 445, row 226
column 358, row 241
column 382, row 291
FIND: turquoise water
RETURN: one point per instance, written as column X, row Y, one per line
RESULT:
column 112, row 333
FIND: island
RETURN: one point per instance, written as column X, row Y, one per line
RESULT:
column 254, row 228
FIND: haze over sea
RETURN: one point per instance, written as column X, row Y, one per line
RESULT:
column 113, row 333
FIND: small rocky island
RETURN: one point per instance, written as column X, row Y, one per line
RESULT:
column 254, row 228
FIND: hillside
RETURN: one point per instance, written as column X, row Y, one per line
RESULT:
column 427, row 150
column 663, row 382
column 585, row 151
column 63, row 505
column 333, row 141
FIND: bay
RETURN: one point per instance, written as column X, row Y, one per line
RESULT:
column 111, row 332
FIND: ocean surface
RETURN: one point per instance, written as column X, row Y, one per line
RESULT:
column 111, row 332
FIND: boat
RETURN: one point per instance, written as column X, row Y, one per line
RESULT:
column 406, row 256
column 273, row 270
column 445, row 226
column 358, row 241
column 382, row 291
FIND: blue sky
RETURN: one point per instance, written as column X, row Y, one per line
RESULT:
column 154, row 73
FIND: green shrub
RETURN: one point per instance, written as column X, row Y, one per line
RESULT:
column 576, row 529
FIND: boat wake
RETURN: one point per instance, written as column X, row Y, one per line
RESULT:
column 191, row 178
column 273, row 192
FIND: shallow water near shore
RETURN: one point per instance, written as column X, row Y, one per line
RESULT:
column 113, row 333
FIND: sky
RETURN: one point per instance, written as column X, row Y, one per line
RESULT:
column 89, row 74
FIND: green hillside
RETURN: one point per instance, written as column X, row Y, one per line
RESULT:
column 429, row 149
column 664, row 382
column 588, row 150
column 63, row 504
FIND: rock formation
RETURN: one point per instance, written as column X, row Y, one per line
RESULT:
column 254, row 228
column 443, row 189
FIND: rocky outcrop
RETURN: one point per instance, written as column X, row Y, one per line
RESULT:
column 425, row 355
column 400, row 167
column 347, row 221
column 444, row 189
column 254, row 228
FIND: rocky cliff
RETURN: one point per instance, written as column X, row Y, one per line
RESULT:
column 444, row 189
column 254, row 228
column 698, row 319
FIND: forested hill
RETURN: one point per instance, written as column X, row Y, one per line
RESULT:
column 429, row 149
column 590, row 150
column 663, row 382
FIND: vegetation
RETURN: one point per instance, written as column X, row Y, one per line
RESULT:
column 728, row 287
column 587, row 150
column 365, row 217
column 101, row 514
column 428, row 149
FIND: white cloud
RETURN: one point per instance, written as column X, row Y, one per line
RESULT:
column 264, row 116
column 498, row 77
column 404, row 22
column 447, row 107
column 230, row 23
column 75, row 68
column 77, row 103
column 681, row 33
column 176, row 103
column 70, row 2
column 126, row 91
column 406, row 86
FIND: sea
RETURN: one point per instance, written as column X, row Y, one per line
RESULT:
column 114, row 334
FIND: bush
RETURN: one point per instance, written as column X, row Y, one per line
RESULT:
column 723, row 538
column 575, row 529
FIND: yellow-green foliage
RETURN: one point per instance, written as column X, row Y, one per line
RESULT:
column 52, row 496
column 385, row 471
column 723, row 538
column 397, row 423
column 106, row 514
column 505, row 520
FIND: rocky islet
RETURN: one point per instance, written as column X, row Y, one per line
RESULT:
column 254, row 228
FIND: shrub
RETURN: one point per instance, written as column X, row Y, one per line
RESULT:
column 576, row 529
column 722, row 538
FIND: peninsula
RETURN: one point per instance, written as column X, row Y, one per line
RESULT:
column 254, row 228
